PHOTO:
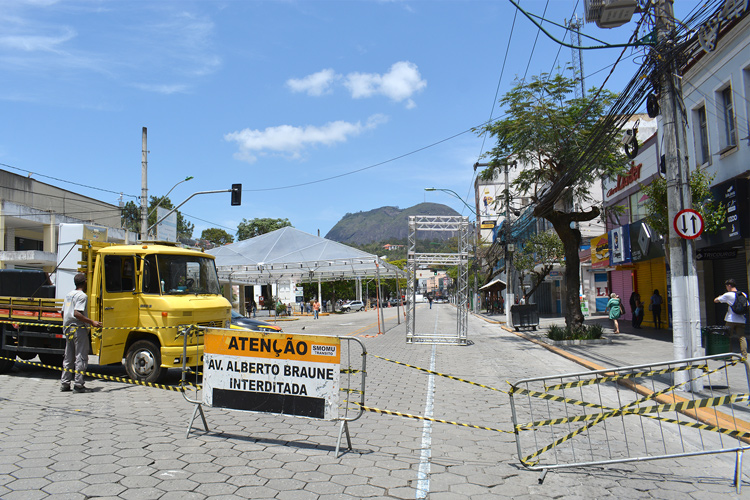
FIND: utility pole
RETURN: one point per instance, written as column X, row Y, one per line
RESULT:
column 509, row 295
column 144, row 187
column 684, row 279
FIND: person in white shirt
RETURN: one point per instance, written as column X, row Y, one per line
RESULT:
column 735, row 322
column 76, row 330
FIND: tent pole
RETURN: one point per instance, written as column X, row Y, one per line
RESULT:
column 380, row 304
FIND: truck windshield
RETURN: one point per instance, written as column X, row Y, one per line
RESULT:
column 180, row 274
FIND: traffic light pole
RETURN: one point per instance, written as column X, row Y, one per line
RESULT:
column 683, row 275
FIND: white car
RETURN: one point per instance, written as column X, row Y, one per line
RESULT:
column 354, row 305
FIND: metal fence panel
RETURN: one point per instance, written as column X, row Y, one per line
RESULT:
column 631, row 413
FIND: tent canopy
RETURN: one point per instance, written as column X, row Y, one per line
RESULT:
column 289, row 254
column 493, row 285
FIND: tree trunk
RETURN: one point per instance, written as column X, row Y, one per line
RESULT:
column 571, row 239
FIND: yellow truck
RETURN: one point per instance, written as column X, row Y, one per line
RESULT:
column 142, row 294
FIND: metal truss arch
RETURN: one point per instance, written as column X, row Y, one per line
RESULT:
column 460, row 258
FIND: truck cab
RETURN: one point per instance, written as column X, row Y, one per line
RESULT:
column 143, row 294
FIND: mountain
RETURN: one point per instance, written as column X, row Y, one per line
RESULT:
column 386, row 224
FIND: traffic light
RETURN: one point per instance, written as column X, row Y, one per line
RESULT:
column 236, row 195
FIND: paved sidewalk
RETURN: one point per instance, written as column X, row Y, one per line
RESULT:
column 128, row 442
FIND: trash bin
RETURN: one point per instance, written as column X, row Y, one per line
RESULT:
column 524, row 316
column 716, row 339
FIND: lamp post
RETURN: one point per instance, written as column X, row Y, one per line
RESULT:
column 189, row 177
column 476, row 238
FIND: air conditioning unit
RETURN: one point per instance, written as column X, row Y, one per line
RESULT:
column 609, row 13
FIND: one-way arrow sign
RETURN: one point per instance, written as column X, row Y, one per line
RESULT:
column 688, row 224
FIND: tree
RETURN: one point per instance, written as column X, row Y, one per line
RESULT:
column 563, row 145
column 217, row 236
column 250, row 229
column 131, row 217
column 537, row 258
column 714, row 214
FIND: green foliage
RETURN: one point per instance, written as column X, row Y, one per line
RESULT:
column 545, row 249
column 546, row 130
column 131, row 217
column 251, row 228
column 714, row 214
column 584, row 332
column 217, row 236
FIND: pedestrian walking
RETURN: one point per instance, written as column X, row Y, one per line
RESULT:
column 735, row 317
column 615, row 308
column 76, row 330
column 316, row 309
column 638, row 314
column 655, row 307
column 635, row 297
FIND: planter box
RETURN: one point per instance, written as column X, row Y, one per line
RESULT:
column 561, row 343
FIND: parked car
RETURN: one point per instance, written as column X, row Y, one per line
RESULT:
column 239, row 321
column 354, row 305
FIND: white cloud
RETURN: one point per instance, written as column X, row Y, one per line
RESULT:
column 400, row 83
column 316, row 84
column 291, row 141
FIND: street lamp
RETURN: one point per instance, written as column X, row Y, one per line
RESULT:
column 476, row 237
column 189, row 177
column 455, row 195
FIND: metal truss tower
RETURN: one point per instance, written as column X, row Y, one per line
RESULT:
column 461, row 226
column 574, row 25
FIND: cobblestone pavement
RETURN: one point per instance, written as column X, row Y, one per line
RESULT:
column 129, row 442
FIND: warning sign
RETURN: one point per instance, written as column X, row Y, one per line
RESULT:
column 287, row 374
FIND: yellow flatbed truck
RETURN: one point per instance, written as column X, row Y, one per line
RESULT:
column 142, row 294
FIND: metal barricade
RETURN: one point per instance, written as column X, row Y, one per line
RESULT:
column 248, row 389
column 632, row 413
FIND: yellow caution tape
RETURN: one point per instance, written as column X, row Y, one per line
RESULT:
column 614, row 378
column 419, row 417
column 625, row 410
column 440, row 374
column 104, row 377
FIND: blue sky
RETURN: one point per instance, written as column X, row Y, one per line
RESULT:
column 318, row 108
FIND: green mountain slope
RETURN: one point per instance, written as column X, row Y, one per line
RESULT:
column 386, row 224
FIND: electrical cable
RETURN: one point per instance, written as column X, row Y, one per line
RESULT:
column 30, row 173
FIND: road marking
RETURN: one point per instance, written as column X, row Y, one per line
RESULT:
column 423, row 476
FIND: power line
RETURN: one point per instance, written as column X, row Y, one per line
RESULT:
column 30, row 173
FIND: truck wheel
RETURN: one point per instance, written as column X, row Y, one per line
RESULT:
column 7, row 360
column 143, row 362
column 51, row 359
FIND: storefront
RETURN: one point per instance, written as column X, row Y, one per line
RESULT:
column 724, row 255
column 599, row 264
column 650, row 270
column 621, row 269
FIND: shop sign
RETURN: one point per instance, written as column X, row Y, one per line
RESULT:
column 708, row 33
column 619, row 245
column 600, row 251
column 622, row 182
column 704, row 254
column 734, row 195
column 645, row 243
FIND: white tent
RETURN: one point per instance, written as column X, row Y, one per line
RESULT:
column 289, row 254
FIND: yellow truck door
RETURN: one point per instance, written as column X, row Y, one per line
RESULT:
column 119, row 306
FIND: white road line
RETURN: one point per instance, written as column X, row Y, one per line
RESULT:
column 423, row 477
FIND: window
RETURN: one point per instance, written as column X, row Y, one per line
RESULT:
column 702, row 152
column 729, row 138
column 28, row 244
column 119, row 273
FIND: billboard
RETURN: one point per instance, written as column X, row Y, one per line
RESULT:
column 600, row 251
